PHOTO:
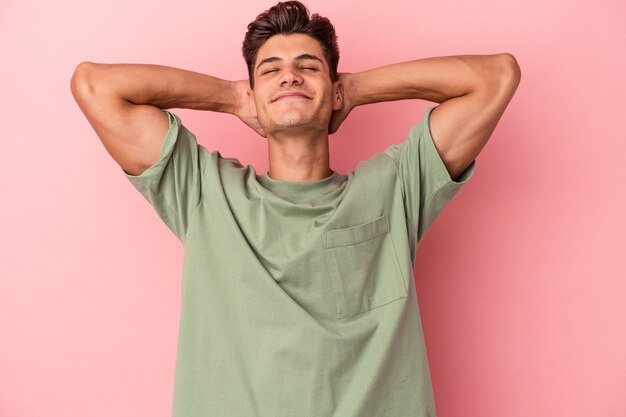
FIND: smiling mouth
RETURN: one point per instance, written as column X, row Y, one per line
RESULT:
column 291, row 96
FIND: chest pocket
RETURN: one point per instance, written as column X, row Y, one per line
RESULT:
column 363, row 267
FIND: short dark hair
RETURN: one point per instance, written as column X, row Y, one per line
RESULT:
column 287, row 18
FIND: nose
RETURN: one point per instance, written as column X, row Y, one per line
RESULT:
column 291, row 77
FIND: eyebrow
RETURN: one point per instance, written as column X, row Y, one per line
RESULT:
column 298, row 58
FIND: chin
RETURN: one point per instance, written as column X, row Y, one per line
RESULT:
column 293, row 121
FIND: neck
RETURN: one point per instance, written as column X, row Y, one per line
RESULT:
column 300, row 158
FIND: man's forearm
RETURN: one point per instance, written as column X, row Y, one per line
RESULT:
column 160, row 86
column 434, row 79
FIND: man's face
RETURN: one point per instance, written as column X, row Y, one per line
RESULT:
column 293, row 63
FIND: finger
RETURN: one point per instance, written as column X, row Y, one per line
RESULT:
column 334, row 123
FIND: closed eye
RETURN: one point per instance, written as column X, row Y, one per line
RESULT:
column 304, row 68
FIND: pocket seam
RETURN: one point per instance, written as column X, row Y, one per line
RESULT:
column 349, row 236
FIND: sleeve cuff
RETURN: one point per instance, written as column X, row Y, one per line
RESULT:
column 166, row 149
column 442, row 172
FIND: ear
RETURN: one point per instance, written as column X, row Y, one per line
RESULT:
column 337, row 95
column 251, row 102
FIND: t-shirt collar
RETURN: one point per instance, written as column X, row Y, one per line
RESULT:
column 302, row 189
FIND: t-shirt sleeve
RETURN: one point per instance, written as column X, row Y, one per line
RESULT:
column 173, row 184
column 426, row 184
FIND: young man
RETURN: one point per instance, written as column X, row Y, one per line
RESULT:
column 298, row 292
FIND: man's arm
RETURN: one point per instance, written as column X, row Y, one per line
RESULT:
column 474, row 91
column 122, row 103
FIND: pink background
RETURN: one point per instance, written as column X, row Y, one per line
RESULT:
column 520, row 289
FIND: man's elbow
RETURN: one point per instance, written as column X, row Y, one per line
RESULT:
column 511, row 72
column 503, row 77
column 81, row 81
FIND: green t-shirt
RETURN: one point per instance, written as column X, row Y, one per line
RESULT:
column 298, row 299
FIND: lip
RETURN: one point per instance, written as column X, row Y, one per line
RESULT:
column 292, row 94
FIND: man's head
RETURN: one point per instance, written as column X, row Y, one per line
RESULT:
column 286, row 52
column 287, row 18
